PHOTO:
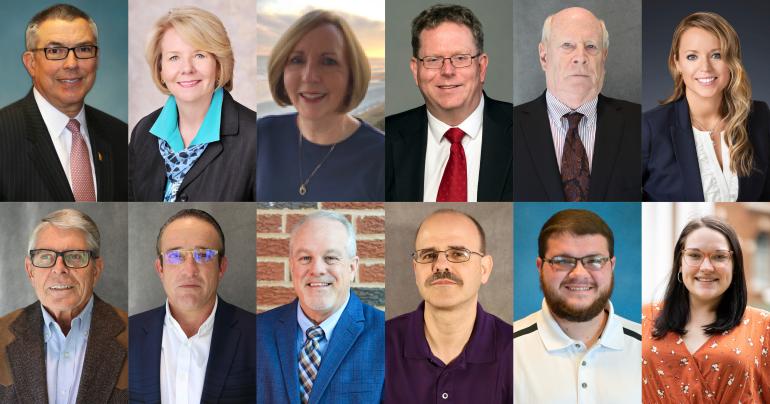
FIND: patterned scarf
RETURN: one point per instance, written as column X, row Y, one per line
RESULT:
column 177, row 165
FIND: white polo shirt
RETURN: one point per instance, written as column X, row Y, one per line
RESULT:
column 550, row 367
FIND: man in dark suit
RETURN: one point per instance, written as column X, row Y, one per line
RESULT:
column 53, row 147
column 572, row 143
column 196, row 347
column 326, row 347
column 456, row 147
column 69, row 346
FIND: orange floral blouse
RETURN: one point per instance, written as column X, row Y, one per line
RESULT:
column 731, row 367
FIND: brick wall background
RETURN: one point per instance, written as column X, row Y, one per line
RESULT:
column 274, row 223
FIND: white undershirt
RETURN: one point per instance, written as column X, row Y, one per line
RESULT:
column 183, row 360
column 720, row 184
column 438, row 148
column 56, row 123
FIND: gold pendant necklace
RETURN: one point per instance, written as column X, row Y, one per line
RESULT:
column 303, row 184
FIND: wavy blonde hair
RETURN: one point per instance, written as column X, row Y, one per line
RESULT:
column 736, row 97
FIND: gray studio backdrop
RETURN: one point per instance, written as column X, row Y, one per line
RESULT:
column 402, row 220
column 109, row 91
column 239, row 18
column 18, row 219
column 623, row 19
column 238, row 221
column 402, row 93
column 750, row 20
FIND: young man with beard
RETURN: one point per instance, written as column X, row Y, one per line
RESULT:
column 586, row 352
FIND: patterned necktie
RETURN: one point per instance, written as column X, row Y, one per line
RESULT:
column 575, row 175
column 454, row 182
column 80, row 166
column 309, row 361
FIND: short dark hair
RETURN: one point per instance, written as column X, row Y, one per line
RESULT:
column 676, row 303
column 64, row 12
column 482, row 235
column 198, row 214
column 579, row 222
column 434, row 15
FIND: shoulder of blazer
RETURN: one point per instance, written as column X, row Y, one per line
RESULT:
column 394, row 123
column 245, row 320
column 623, row 106
column 113, row 128
column 375, row 318
column 146, row 319
column 529, row 106
column 237, row 118
column 499, row 109
column 143, row 126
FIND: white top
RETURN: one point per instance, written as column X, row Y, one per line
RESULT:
column 437, row 153
column 183, row 360
column 720, row 184
column 560, row 126
column 550, row 367
column 56, row 123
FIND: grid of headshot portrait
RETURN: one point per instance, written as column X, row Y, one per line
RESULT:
column 361, row 202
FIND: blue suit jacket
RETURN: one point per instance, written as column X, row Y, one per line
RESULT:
column 352, row 368
column 670, row 169
column 230, row 371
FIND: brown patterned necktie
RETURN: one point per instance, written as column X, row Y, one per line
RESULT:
column 454, row 182
column 80, row 166
column 575, row 175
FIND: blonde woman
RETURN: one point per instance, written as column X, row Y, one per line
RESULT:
column 708, row 141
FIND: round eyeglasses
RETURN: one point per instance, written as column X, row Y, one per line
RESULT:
column 72, row 259
column 694, row 257
column 429, row 256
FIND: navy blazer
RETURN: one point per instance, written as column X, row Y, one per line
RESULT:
column 352, row 368
column 230, row 372
column 670, row 169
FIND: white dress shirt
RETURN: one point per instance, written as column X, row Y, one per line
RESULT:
column 720, row 184
column 437, row 153
column 560, row 126
column 56, row 123
column 183, row 360
column 550, row 367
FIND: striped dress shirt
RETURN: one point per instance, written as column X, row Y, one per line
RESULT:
column 559, row 125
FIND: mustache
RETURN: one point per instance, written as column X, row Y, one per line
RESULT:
column 443, row 275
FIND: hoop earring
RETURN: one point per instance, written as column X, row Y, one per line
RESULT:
column 679, row 276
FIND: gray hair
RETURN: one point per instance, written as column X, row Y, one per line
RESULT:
column 64, row 12
column 547, row 32
column 69, row 219
column 350, row 246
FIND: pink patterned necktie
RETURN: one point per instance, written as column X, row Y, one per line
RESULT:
column 80, row 166
column 454, row 182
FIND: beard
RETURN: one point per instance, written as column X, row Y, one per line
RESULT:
column 560, row 308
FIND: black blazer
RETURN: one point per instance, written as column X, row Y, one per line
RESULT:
column 670, row 169
column 226, row 171
column 406, row 141
column 30, row 169
column 231, row 369
column 615, row 171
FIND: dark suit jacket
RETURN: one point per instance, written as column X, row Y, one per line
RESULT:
column 30, row 168
column 352, row 368
column 615, row 171
column 230, row 373
column 22, row 357
column 226, row 171
column 670, row 169
column 406, row 141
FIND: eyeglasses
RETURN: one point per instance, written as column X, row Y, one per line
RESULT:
column 566, row 263
column 437, row 62
column 200, row 255
column 694, row 257
column 429, row 256
column 72, row 259
column 61, row 52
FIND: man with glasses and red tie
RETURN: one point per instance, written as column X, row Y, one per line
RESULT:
column 197, row 347
column 53, row 147
column 69, row 346
column 458, row 146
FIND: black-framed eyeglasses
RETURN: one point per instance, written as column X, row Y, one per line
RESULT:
column 694, row 257
column 72, row 259
column 429, row 256
column 200, row 255
column 567, row 263
column 458, row 61
column 61, row 52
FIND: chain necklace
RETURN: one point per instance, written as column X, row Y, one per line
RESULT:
column 711, row 132
column 303, row 184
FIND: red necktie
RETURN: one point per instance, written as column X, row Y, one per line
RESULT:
column 575, row 175
column 454, row 183
column 80, row 166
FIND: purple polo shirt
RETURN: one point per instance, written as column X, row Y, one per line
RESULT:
column 482, row 373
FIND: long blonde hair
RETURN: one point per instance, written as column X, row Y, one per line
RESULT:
column 736, row 97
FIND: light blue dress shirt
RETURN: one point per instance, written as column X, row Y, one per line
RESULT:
column 65, row 354
column 327, row 325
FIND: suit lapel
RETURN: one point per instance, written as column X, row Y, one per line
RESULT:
column 536, row 130
column 609, row 136
column 224, row 342
column 104, row 355
column 26, row 355
column 286, row 339
column 685, row 153
column 409, row 146
column 102, row 156
column 495, row 156
column 151, row 340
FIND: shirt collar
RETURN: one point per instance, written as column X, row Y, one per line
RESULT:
column 557, row 109
column 166, row 127
column 55, row 120
column 205, row 328
column 471, row 125
column 80, row 324
column 555, row 339
column 326, row 325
